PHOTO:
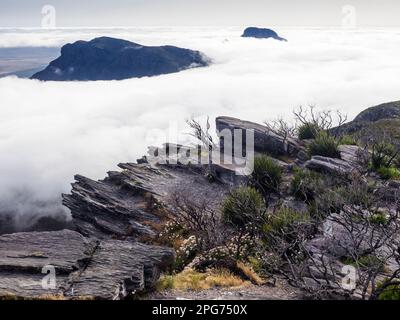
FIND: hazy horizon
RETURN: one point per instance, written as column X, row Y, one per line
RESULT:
column 103, row 13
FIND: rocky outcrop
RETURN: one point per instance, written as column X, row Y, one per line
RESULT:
column 128, row 203
column 351, row 159
column 388, row 110
column 265, row 140
column 115, row 59
column 83, row 267
column 329, row 165
column 353, row 155
column 261, row 33
column 384, row 117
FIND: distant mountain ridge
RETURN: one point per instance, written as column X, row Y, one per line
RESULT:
column 107, row 58
column 261, row 33
column 381, row 118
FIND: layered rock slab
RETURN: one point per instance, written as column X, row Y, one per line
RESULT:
column 83, row 267
column 125, row 204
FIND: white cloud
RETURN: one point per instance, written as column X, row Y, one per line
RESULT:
column 50, row 131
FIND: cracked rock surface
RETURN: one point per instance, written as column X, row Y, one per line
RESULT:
column 83, row 267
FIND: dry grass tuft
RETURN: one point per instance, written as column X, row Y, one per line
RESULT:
column 250, row 273
column 193, row 280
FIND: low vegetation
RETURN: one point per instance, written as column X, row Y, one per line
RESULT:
column 324, row 145
column 306, row 184
column 308, row 131
column 267, row 174
column 390, row 292
column 283, row 222
column 348, row 140
column 389, row 173
column 194, row 280
column 243, row 206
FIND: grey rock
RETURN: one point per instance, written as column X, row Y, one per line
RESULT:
column 389, row 192
column 302, row 156
column 329, row 165
column 265, row 140
column 394, row 184
column 335, row 240
column 124, row 205
column 120, row 268
column 296, row 205
column 83, row 267
column 353, row 155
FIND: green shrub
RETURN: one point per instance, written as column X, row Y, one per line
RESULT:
column 356, row 193
column 389, row 173
column 244, row 205
column 370, row 262
column 378, row 218
column 305, row 184
column 284, row 221
column 307, row 131
column 267, row 175
column 366, row 262
column 382, row 154
column 324, row 145
column 348, row 140
column 391, row 292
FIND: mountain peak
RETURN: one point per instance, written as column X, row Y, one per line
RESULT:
column 106, row 58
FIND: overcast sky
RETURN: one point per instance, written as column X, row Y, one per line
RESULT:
column 98, row 13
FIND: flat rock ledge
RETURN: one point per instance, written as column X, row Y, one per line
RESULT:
column 83, row 267
column 265, row 140
column 329, row 165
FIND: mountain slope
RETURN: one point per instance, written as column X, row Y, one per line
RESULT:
column 381, row 118
column 115, row 59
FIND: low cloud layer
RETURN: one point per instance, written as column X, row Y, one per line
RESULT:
column 50, row 131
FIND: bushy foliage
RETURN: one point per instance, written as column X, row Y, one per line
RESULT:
column 186, row 253
column 378, row 218
column 365, row 262
column 370, row 261
column 284, row 222
column 305, row 184
column 267, row 175
column 242, row 206
column 348, row 140
column 389, row 173
column 324, row 145
column 333, row 198
column 382, row 155
column 307, row 131
column 391, row 292
column 357, row 192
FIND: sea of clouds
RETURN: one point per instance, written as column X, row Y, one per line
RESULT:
column 50, row 131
